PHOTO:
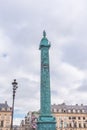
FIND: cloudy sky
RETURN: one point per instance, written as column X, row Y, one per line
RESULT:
column 21, row 25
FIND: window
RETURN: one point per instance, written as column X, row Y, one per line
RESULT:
column 55, row 110
column 70, row 125
column 69, row 118
column 2, row 122
column 73, row 117
column 69, row 111
column 75, row 125
column 3, row 109
column 59, row 110
column 79, row 118
column 83, row 111
column 78, row 111
column 83, row 118
column 79, row 125
column 65, row 124
column 74, row 110
column 84, row 125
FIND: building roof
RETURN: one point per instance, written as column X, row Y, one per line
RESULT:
column 72, row 108
column 4, row 106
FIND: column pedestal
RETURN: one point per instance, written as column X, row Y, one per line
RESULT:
column 46, row 123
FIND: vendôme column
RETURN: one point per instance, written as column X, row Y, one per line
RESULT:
column 46, row 121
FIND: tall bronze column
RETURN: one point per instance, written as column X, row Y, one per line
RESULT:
column 46, row 121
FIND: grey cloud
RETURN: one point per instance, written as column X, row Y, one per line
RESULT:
column 83, row 87
column 28, row 86
column 75, row 54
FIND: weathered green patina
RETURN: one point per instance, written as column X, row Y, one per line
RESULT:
column 46, row 121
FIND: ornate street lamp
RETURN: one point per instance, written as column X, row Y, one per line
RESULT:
column 14, row 84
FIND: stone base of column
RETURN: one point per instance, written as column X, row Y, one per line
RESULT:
column 46, row 123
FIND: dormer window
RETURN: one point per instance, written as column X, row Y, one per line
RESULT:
column 83, row 111
column 74, row 110
column 69, row 110
column 64, row 111
column 55, row 110
column 60, row 110
column 3, row 109
column 78, row 111
column 8, row 109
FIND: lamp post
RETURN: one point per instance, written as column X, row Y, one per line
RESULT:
column 14, row 84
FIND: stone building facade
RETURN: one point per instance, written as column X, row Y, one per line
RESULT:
column 5, row 116
column 30, row 121
column 70, row 117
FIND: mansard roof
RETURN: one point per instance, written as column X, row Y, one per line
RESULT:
column 4, row 106
column 65, row 107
